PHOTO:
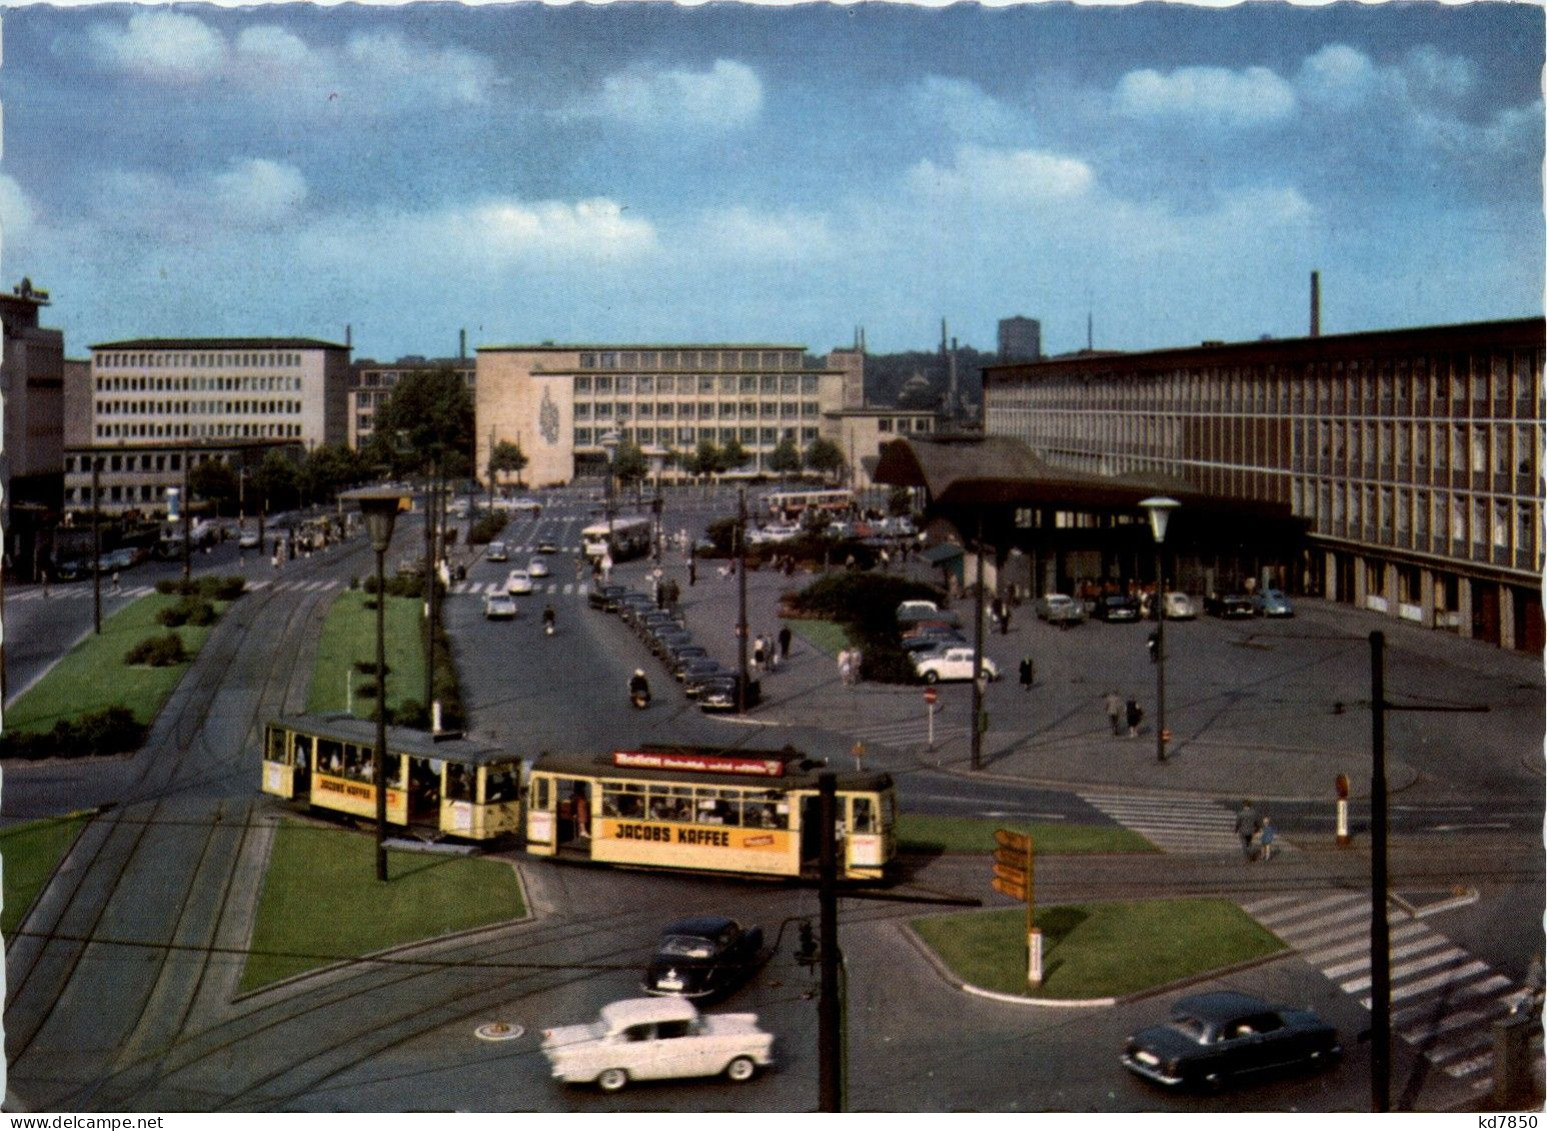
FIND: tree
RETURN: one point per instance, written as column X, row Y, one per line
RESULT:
column 825, row 458
column 630, row 464
column 705, row 460
column 785, row 458
column 900, row 501
column 428, row 417
column 733, row 455
column 214, row 481
column 278, row 479
column 507, row 457
column 327, row 468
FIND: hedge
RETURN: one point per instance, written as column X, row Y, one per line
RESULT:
column 110, row 731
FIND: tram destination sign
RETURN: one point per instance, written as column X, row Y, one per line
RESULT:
column 698, row 763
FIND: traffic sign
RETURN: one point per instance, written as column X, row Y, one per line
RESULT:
column 1014, row 841
column 1009, row 858
column 1005, row 887
column 1015, row 876
column 930, row 695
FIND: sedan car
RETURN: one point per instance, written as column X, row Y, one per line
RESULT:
column 657, row 1038
column 1060, row 608
column 1116, row 607
column 249, row 540
column 605, row 597
column 497, row 552
column 518, row 582
column 679, row 656
column 1229, row 606
column 952, row 663
column 1213, row 1037
column 547, row 546
column 537, row 567
column 703, row 957
column 499, row 606
column 720, row 693
column 1273, row 603
column 698, row 673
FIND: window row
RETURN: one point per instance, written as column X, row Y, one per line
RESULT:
column 705, row 410
column 667, row 437
column 650, row 383
column 223, row 384
column 187, row 431
column 692, row 359
column 197, row 408
column 698, row 805
column 196, row 360
column 1338, row 506
column 1502, row 448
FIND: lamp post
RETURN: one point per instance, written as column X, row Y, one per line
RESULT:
column 609, row 442
column 1160, row 508
column 380, row 505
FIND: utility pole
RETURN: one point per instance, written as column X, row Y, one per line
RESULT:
column 977, row 659
column 431, row 495
column 96, row 544
column 1380, row 928
column 741, row 597
column 829, row 1007
column 187, row 520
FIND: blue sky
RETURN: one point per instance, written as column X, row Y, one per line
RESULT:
column 742, row 173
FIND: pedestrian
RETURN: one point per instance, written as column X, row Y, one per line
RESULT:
column 1247, row 822
column 845, row 667
column 1004, row 620
column 115, row 583
column 1266, row 839
column 1135, row 714
column 1115, row 712
column 43, row 572
column 692, row 570
column 784, row 642
column 1529, row 997
column 1153, row 644
column 1028, row 672
column 759, row 649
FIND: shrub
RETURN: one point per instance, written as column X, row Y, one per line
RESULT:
column 112, row 730
column 486, row 528
column 222, row 588
column 368, row 667
column 189, row 610
column 866, row 604
column 158, row 651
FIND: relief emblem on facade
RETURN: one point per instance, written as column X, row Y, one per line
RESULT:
column 548, row 419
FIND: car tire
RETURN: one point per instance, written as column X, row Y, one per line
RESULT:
column 741, row 1070
column 612, row 1080
column 931, row 676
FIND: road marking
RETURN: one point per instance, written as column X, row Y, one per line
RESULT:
column 1173, row 825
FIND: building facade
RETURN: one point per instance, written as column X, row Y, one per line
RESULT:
column 1415, row 455
column 860, row 433
column 559, row 402
column 32, row 405
column 155, row 401
column 1020, row 339
column 371, row 383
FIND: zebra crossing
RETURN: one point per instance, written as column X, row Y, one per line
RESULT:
column 1173, row 824
column 471, row 588
column 911, row 731
column 77, row 593
column 1444, row 1000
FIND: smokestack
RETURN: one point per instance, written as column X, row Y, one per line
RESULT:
column 349, row 336
column 1315, row 304
column 462, row 344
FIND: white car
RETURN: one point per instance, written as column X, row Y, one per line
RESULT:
column 499, row 606
column 537, row 567
column 518, row 582
column 497, row 552
column 952, row 663
column 249, row 540
column 657, row 1038
column 1179, row 606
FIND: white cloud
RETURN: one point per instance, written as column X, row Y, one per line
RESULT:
column 258, row 192
column 16, row 210
column 742, row 234
column 249, row 193
column 161, row 45
column 724, row 97
column 1014, row 176
column 1224, row 97
column 1432, row 74
column 962, row 107
column 266, row 45
column 444, row 75
column 1338, row 76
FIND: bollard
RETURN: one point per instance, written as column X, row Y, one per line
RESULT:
column 1344, row 840
column 1512, row 1076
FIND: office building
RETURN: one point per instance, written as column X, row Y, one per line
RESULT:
column 371, row 383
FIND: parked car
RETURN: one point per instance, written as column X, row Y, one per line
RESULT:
column 918, row 645
column 1229, row 605
column 1214, row 1037
column 497, row 552
column 529, row 505
column 657, row 1038
column 679, row 655
column 929, row 628
column 537, row 567
column 910, row 611
column 499, row 606
column 547, row 546
column 605, row 597
column 1273, row 603
column 663, row 640
column 719, row 693
column 1117, row 607
column 1060, row 608
column 518, row 582
column 699, row 672
column 1179, row 606
column 953, row 663
column 702, row 957
column 249, row 540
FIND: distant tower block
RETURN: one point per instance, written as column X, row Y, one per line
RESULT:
column 1020, row 339
column 1315, row 304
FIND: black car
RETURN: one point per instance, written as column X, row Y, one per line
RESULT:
column 679, row 656
column 605, row 597
column 1214, row 1037
column 1117, row 608
column 719, row 693
column 547, row 546
column 700, row 672
column 703, row 957
column 1229, row 605
column 917, row 645
column 662, row 640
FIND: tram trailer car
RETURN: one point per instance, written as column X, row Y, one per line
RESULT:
column 454, row 785
column 705, row 809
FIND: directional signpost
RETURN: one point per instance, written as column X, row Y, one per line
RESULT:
column 1014, row 877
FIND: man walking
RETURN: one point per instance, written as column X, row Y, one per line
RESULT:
column 1115, row 712
column 1247, row 822
column 1028, row 672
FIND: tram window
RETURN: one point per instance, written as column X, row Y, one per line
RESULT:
column 762, row 810
column 460, row 782
column 864, row 815
column 501, row 784
column 330, row 756
column 542, row 793
column 719, row 807
column 623, row 799
column 669, row 804
column 277, row 746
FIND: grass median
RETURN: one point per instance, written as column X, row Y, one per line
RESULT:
column 927, row 835
column 321, row 901
column 31, row 851
column 1098, row 950
column 92, row 676
column 349, row 638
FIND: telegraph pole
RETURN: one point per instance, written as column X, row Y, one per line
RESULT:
column 741, row 596
column 977, row 659
column 1380, row 928
column 829, row 1009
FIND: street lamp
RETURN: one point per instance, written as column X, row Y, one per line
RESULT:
column 380, row 505
column 609, row 441
column 1160, row 508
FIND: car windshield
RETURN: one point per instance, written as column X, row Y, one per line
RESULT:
column 686, row 946
column 1190, row 1027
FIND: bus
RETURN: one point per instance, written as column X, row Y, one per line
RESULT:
column 705, row 809
column 620, row 539
column 792, row 503
column 444, row 784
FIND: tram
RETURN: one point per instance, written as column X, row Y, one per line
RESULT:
column 445, row 783
column 705, row 809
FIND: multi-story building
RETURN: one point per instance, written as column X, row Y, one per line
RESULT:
column 559, row 402
column 860, row 432
column 31, row 448
column 158, row 401
column 1415, row 455
column 371, row 383
column 1020, row 339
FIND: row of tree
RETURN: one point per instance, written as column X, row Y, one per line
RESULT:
column 709, row 459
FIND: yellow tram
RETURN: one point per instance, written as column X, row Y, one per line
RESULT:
column 449, row 783
column 705, row 809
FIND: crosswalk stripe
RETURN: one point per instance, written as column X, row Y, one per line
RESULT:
column 1358, row 942
column 1182, row 826
column 1401, row 971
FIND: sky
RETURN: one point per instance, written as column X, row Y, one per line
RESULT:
column 736, row 173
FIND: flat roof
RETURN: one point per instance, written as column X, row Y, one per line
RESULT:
column 400, row 740
column 551, row 347
column 219, row 344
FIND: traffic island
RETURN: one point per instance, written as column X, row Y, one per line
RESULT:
column 1090, row 952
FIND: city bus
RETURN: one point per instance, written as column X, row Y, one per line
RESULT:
column 792, row 503
column 445, row 784
column 621, row 539
column 705, row 809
